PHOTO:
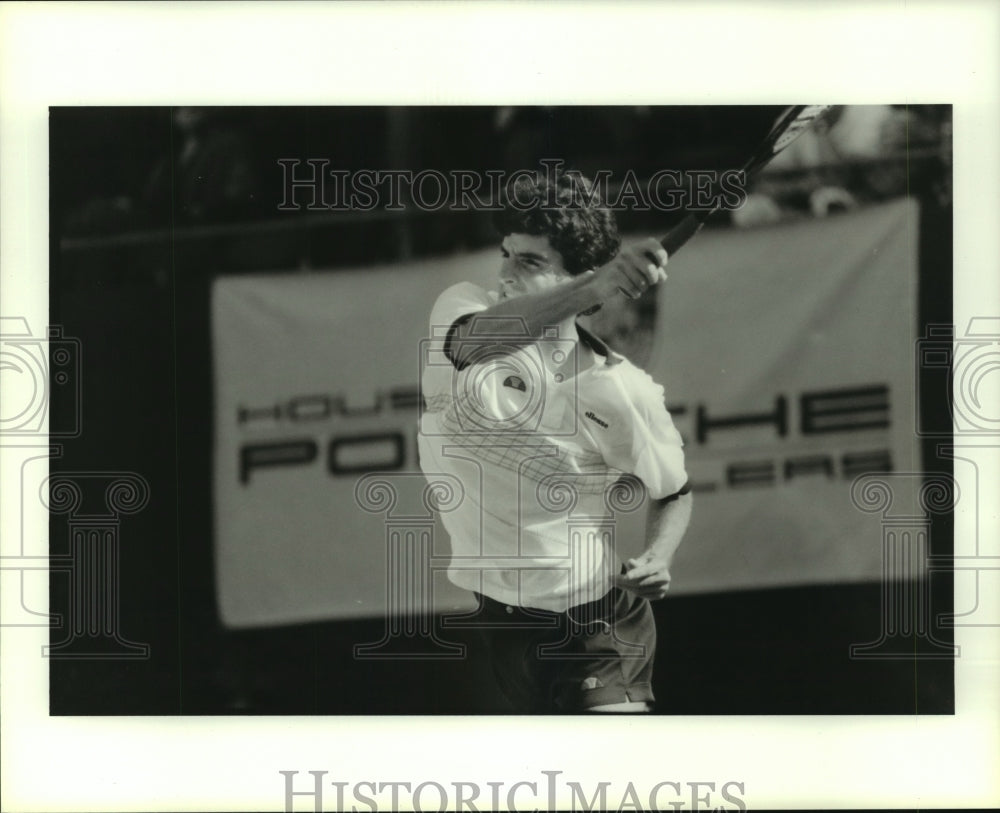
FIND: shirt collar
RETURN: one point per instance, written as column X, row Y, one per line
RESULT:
column 610, row 357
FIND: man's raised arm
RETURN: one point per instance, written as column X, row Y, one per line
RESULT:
column 522, row 319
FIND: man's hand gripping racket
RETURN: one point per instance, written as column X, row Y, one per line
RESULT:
column 648, row 575
column 638, row 267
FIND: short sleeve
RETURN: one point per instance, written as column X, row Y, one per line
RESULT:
column 455, row 302
column 625, row 414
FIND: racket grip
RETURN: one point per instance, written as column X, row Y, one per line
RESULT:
column 681, row 233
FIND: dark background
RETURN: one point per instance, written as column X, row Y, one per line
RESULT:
column 132, row 260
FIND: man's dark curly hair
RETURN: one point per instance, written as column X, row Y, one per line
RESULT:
column 574, row 219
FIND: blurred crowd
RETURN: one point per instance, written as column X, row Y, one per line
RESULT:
column 213, row 166
column 856, row 154
column 209, row 175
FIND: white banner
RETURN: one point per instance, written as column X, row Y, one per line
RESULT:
column 786, row 352
column 788, row 356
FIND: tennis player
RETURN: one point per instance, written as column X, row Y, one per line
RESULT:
column 553, row 435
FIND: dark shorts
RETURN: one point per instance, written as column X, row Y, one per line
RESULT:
column 592, row 655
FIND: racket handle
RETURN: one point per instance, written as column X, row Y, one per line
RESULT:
column 681, row 233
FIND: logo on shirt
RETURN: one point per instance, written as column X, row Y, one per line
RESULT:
column 516, row 382
column 597, row 420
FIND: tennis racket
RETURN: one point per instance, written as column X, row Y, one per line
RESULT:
column 792, row 123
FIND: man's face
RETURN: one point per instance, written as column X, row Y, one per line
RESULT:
column 530, row 265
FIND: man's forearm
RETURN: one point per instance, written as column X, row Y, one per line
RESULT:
column 523, row 318
column 648, row 575
column 667, row 525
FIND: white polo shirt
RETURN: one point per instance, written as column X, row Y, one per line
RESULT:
column 539, row 456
